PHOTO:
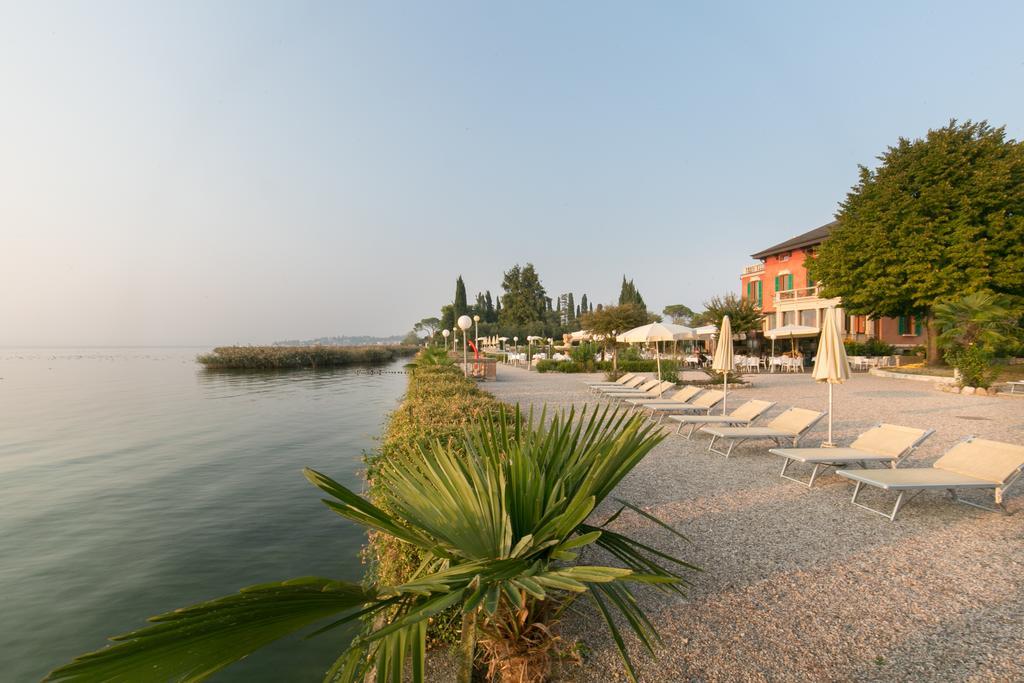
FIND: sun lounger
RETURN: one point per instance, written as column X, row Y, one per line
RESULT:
column 1014, row 384
column 791, row 425
column 743, row 416
column 701, row 404
column 884, row 443
column 631, row 383
column 971, row 464
column 640, row 387
column 653, row 391
column 620, row 382
column 684, row 395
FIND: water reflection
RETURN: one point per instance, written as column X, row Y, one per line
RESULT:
column 133, row 482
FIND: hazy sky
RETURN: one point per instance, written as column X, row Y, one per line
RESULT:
column 215, row 172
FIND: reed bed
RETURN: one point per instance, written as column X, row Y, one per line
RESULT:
column 294, row 357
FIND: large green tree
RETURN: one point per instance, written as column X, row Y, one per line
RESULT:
column 460, row 305
column 939, row 217
column 744, row 315
column 680, row 314
column 628, row 294
column 524, row 300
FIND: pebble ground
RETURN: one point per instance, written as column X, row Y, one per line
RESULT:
column 800, row 585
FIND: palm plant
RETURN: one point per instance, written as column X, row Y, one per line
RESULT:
column 981, row 318
column 500, row 527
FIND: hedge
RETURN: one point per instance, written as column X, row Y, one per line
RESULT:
column 439, row 404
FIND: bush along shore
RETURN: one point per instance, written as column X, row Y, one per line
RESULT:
column 440, row 404
column 293, row 357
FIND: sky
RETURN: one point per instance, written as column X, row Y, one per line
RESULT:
column 207, row 173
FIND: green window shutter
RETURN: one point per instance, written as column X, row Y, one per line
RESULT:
column 776, row 283
column 902, row 325
column 789, row 279
column 749, row 290
column 759, row 304
column 917, row 327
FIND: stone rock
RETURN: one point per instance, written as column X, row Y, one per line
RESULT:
column 954, row 389
column 967, row 390
column 981, row 391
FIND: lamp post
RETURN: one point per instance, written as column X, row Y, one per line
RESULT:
column 476, row 329
column 465, row 322
column 615, row 352
column 445, row 333
column 515, row 347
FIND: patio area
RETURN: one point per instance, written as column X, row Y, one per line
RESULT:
column 798, row 583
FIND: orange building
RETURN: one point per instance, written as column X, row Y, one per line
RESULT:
column 780, row 286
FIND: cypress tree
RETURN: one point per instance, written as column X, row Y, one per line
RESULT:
column 459, row 306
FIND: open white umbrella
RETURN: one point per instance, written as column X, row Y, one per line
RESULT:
column 656, row 332
column 830, row 365
column 723, row 361
column 791, row 331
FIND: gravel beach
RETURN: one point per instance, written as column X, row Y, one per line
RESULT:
column 798, row 584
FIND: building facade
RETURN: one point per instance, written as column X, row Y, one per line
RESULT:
column 780, row 286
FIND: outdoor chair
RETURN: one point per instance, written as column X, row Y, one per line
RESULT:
column 971, row 464
column 790, row 425
column 745, row 415
column 884, row 444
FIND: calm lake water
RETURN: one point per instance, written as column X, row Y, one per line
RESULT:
column 133, row 482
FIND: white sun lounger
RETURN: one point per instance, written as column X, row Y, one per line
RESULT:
column 643, row 385
column 631, row 383
column 1014, row 384
column 791, row 425
column 884, row 443
column 684, row 395
column 653, row 391
column 620, row 382
column 701, row 404
column 744, row 416
column 971, row 464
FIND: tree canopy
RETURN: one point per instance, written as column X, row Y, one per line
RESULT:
column 524, row 300
column 460, row 306
column 680, row 314
column 939, row 217
column 744, row 315
column 616, row 319
column 629, row 294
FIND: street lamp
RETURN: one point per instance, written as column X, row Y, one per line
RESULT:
column 445, row 334
column 465, row 322
column 476, row 329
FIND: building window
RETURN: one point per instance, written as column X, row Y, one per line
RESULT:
column 783, row 257
column 783, row 282
column 807, row 318
column 908, row 326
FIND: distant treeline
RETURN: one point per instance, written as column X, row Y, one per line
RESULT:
column 286, row 357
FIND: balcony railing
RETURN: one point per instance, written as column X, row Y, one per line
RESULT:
column 754, row 268
column 798, row 293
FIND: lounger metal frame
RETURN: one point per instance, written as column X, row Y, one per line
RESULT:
column 1000, row 490
column 738, row 421
column 777, row 439
column 821, row 467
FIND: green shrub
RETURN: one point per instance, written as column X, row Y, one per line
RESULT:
column 439, row 404
column 975, row 365
column 872, row 347
column 562, row 366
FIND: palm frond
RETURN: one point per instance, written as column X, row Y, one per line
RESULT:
column 195, row 642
